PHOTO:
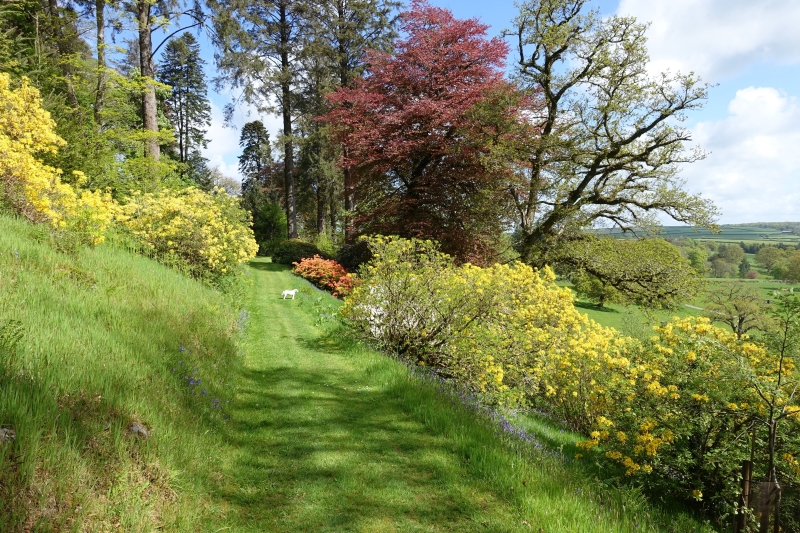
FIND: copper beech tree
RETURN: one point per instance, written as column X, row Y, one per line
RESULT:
column 423, row 130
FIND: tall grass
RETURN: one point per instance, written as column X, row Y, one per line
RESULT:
column 108, row 338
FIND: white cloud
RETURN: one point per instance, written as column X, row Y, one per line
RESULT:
column 223, row 147
column 718, row 39
column 752, row 172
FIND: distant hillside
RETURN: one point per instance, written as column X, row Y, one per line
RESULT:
column 767, row 232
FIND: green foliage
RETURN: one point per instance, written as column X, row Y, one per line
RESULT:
column 720, row 267
column 294, row 250
column 697, row 258
column 595, row 289
column 793, row 267
column 744, row 268
column 740, row 306
column 769, row 256
column 732, row 253
column 186, row 106
column 352, row 256
column 649, row 272
column 269, row 226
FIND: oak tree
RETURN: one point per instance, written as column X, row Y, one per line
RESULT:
column 648, row 272
column 611, row 140
column 738, row 305
column 769, row 256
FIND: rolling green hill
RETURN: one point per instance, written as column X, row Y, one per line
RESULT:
column 748, row 233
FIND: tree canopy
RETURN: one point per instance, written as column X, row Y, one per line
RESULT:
column 649, row 272
column 417, row 130
column 611, row 139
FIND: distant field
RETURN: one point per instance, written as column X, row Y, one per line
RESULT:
column 748, row 234
column 631, row 320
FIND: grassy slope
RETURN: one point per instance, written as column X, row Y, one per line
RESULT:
column 102, row 333
column 320, row 434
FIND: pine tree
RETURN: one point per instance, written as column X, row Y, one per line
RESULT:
column 260, row 189
column 187, row 105
column 339, row 32
column 259, row 43
column 256, row 151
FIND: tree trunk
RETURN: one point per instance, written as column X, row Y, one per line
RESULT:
column 147, row 68
column 321, row 205
column 100, row 91
column 57, row 27
column 286, row 108
column 349, row 207
column 332, row 209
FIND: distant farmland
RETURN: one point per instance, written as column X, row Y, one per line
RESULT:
column 732, row 233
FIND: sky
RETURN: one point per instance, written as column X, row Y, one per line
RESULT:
column 748, row 50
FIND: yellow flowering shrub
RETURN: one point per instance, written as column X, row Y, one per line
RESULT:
column 206, row 233
column 26, row 130
column 677, row 410
column 502, row 331
column 33, row 189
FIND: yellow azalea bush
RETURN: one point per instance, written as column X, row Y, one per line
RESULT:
column 500, row 330
column 206, row 233
column 30, row 187
column 677, row 411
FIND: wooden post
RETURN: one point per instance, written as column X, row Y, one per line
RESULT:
column 770, row 490
column 777, row 525
column 744, row 498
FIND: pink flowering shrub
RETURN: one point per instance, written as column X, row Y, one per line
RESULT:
column 326, row 274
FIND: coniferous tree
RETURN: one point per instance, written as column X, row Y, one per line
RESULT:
column 339, row 33
column 261, row 186
column 187, row 105
column 149, row 16
column 259, row 43
column 256, row 152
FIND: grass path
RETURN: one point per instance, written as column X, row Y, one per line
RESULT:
column 327, row 436
column 326, row 445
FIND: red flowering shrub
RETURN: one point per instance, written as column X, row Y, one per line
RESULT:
column 326, row 274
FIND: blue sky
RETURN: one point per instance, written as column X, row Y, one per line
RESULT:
column 750, row 126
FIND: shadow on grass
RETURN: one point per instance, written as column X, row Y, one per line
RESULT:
column 594, row 307
column 262, row 263
column 325, row 450
column 333, row 342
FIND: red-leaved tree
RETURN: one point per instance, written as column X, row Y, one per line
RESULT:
column 425, row 133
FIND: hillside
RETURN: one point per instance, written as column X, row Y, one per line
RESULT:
column 748, row 233
column 108, row 339
column 289, row 427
